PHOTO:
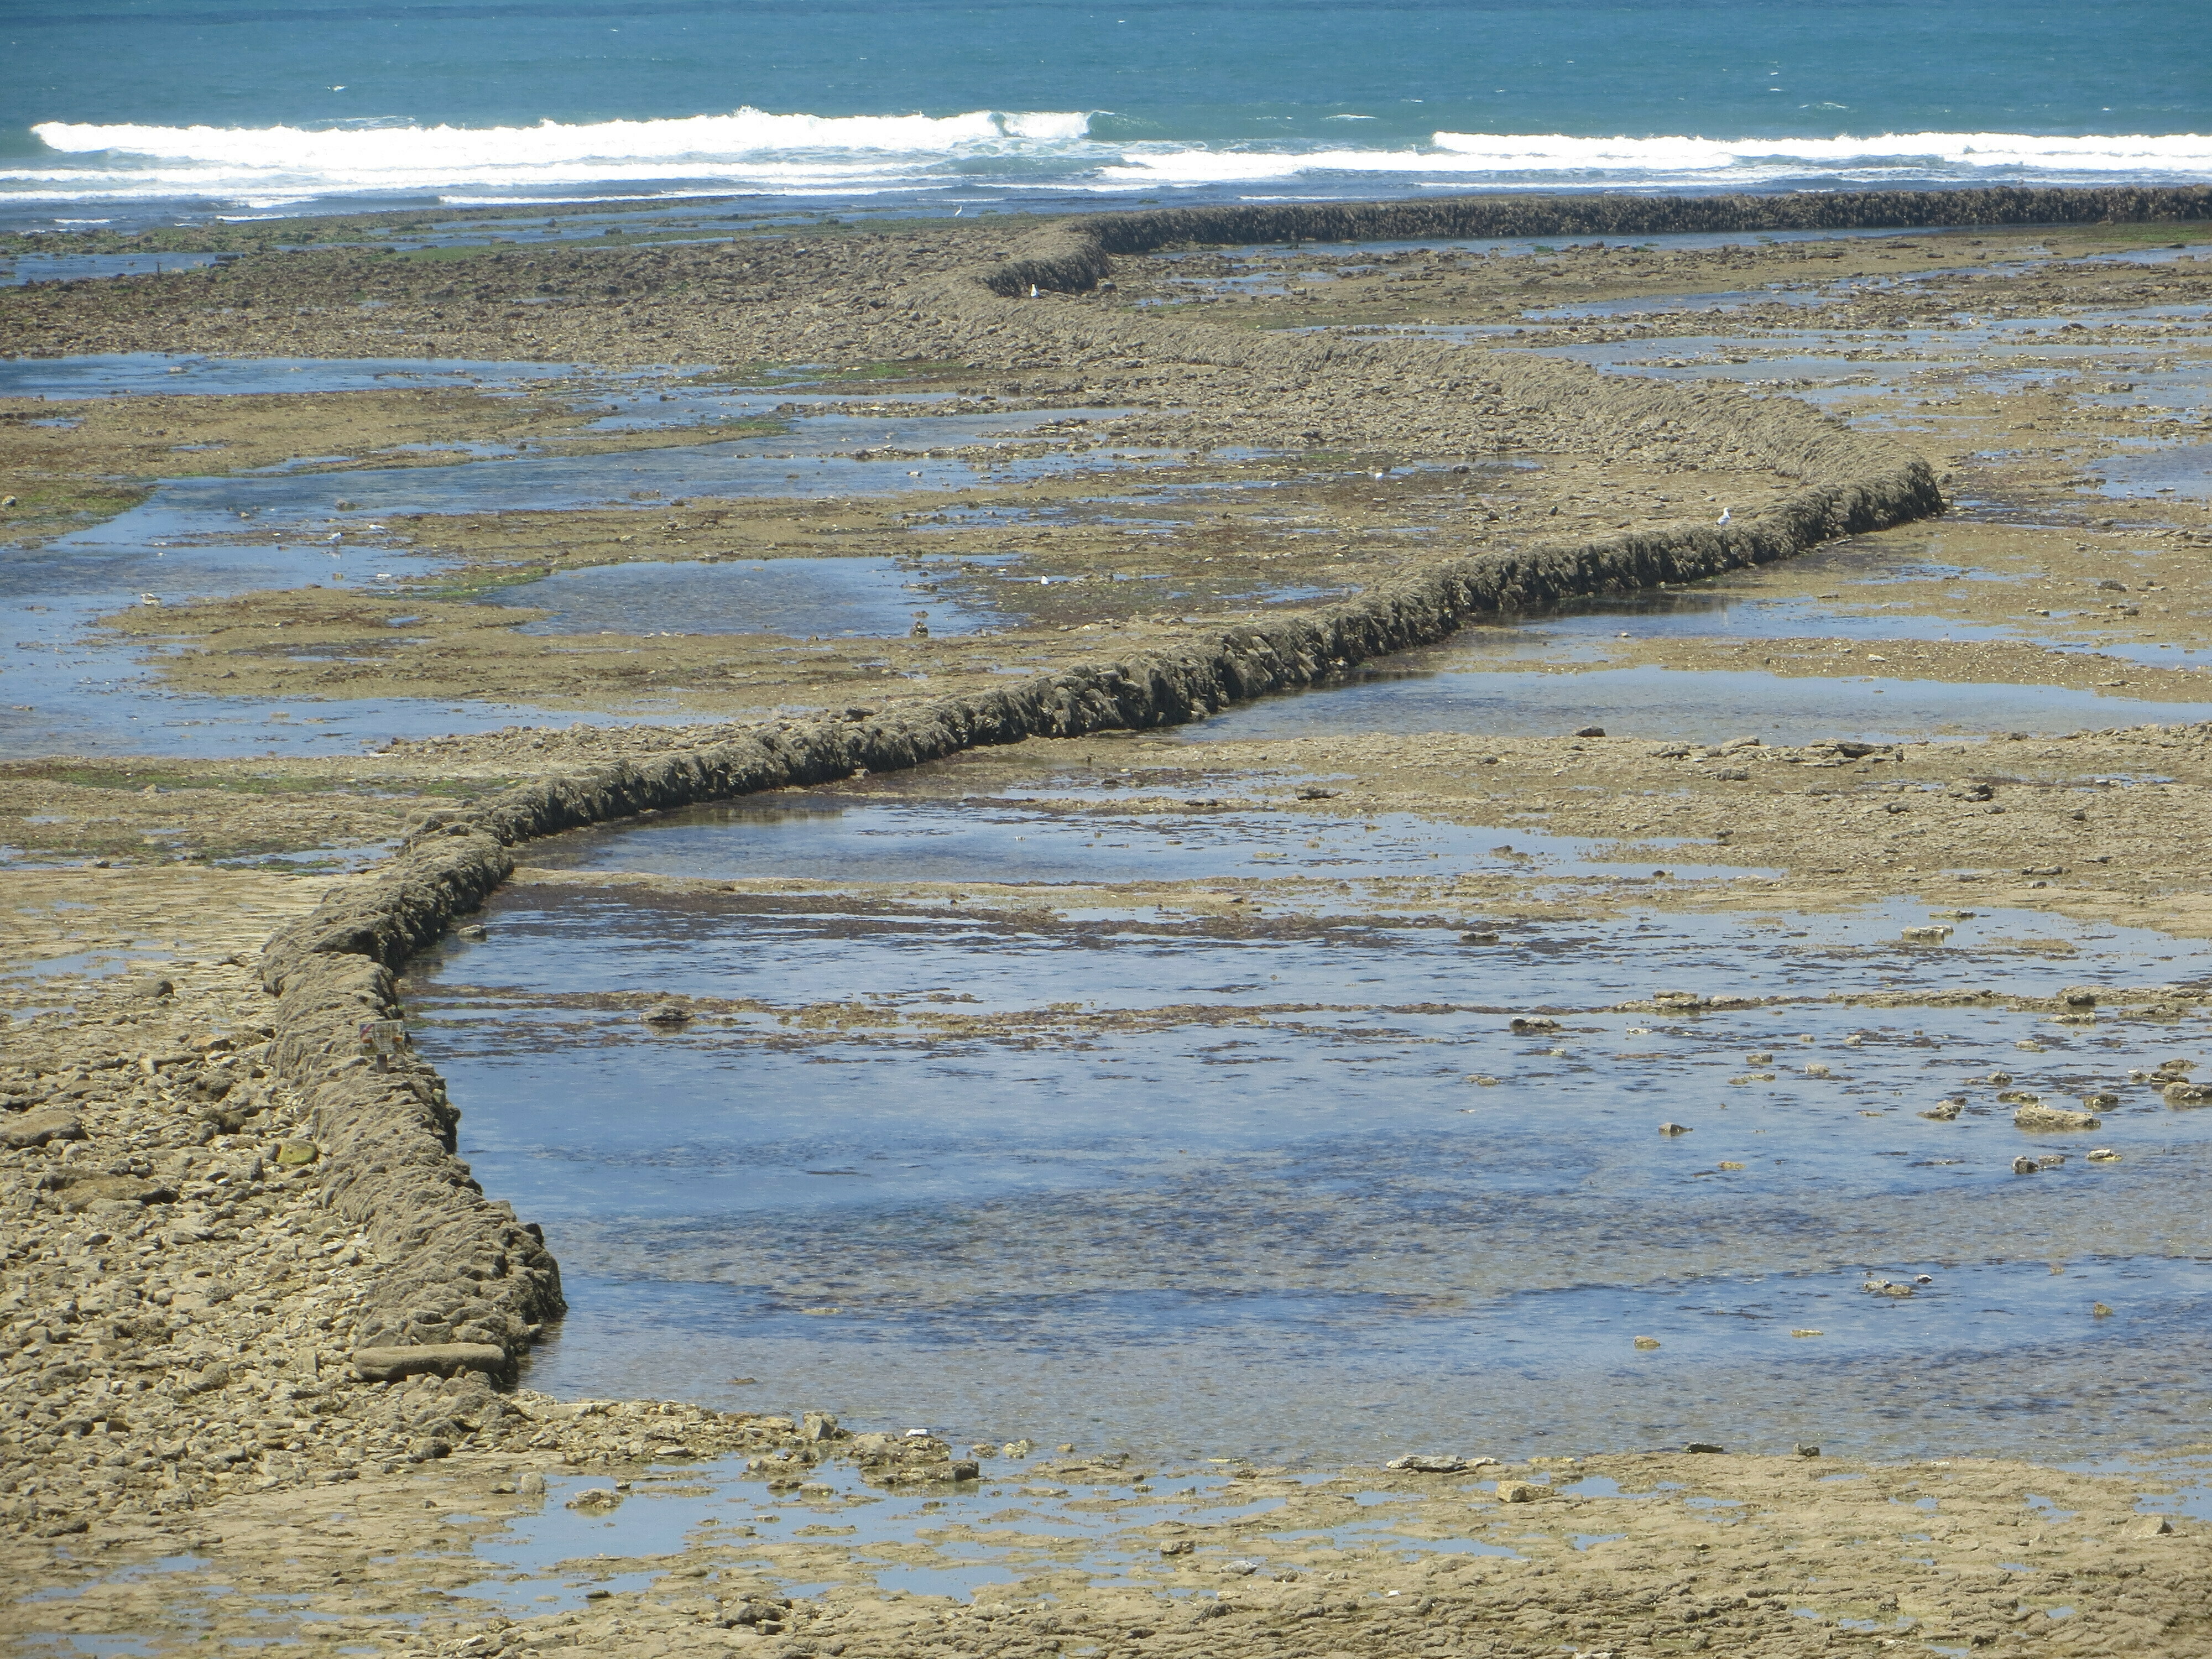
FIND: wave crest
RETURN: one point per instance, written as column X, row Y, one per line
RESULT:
column 352, row 154
column 756, row 151
column 2180, row 152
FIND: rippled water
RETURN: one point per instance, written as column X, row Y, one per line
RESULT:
column 16, row 270
column 794, row 836
column 1178, row 1182
column 1428, row 694
column 2182, row 470
column 797, row 597
column 70, row 692
column 210, row 537
column 121, row 372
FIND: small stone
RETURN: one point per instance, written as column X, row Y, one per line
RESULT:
column 595, row 1500
column 2038, row 1116
column 1427, row 1463
column 531, row 1485
column 1647, row 1343
column 1589, row 732
column 1729, row 1163
column 1805, row 1449
column 1944, row 1112
column 1809, row 1330
column 2025, row 1166
column 2104, row 1155
column 2153, row 1526
column 1818, row 1068
column 1518, row 1491
column 1018, row 1448
column 2099, row 1311
column 295, row 1154
column 1674, row 1128
column 430, row 1359
column 1177, row 1546
column 1932, row 934
column 1477, row 938
column 2187, row 1094
column 37, row 1129
column 667, row 1015
column 1703, row 1446
column 1524, row 1025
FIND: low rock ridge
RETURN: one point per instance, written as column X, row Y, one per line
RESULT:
column 461, row 1269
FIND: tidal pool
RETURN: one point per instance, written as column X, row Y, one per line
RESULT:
column 121, row 372
column 927, row 1538
column 872, row 598
column 1578, row 630
column 1292, row 1185
column 215, row 537
column 815, row 836
column 2170, row 470
column 64, row 689
column 18, row 269
column 1428, row 694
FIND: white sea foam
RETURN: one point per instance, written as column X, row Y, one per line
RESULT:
column 1558, row 158
column 355, row 153
column 750, row 150
column 798, row 155
column 2139, row 153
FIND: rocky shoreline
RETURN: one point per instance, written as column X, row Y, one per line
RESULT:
column 381, row 1117
column 246, row 1263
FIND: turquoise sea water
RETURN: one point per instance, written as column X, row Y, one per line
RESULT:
column 134, row 110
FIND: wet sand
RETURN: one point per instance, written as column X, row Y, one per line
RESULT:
column 181, row 1365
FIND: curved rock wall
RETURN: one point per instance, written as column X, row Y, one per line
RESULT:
column 1085, row 245
column 461, row 1269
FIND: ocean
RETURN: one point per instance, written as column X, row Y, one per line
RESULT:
column 137, row 112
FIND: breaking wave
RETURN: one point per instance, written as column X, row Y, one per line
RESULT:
column 757, row 151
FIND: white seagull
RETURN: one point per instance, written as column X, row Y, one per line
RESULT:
column 1723, row 518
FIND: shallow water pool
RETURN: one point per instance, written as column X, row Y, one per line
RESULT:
column 1113, row 1171
column 1699, row 706
column 871, row 597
